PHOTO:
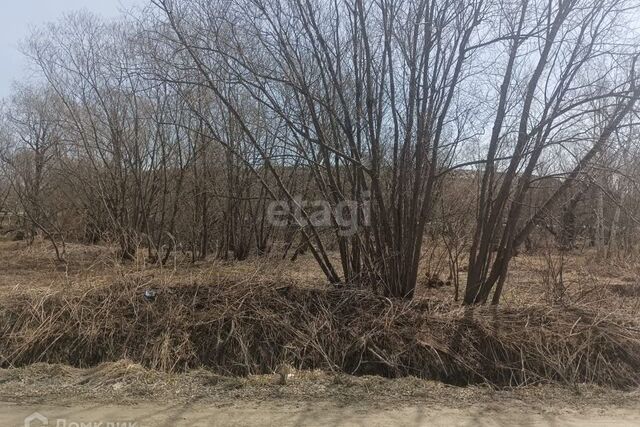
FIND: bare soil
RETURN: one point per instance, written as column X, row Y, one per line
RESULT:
column 321, row 413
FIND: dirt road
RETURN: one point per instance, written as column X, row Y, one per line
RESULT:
column 309, row 414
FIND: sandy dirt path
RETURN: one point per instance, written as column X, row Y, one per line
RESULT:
column 304, row 414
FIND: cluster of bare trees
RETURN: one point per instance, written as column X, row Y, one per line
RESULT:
column 176, row 128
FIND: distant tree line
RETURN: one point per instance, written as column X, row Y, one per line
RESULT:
column 485, row 123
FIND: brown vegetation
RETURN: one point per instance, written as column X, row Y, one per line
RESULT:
column 245, row 184
column 252, row 326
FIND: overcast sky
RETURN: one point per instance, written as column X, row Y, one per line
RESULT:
column 18, row 17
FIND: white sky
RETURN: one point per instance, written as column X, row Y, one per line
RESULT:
column 18, row 17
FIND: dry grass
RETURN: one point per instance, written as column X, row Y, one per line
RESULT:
column 29, row 268
column 127, row 382
column 241, row 328
column 247, row 318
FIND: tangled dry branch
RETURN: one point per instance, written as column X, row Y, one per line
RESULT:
column 237, row 329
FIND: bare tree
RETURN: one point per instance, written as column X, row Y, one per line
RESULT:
column 367, row 91
column 33, row 148
column 574, row 60
column 182, row 128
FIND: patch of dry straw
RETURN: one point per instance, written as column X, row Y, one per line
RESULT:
column 239, row 328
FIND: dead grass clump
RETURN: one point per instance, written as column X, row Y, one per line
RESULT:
column 240, row 328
